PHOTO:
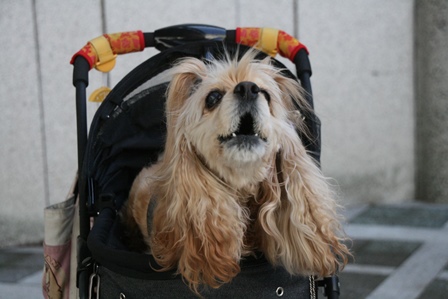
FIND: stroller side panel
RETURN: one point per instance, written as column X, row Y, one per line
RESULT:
column 259, row 281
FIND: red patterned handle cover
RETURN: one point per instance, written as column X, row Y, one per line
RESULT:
column 120, row 43
column 287, row 45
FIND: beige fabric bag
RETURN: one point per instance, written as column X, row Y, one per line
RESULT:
column 61, row 227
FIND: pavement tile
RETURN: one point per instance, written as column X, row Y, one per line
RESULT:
column 20, row 291
column 427, row 216
column 436, row 289
column 382, row 253
column 16, row 264
column 356, row 285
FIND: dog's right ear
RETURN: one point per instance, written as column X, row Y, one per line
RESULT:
column 186, row 75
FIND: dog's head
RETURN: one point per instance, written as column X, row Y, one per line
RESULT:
column 234, row 114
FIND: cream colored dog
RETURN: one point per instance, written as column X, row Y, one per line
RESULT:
column 235, row 178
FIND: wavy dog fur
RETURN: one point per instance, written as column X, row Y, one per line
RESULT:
column 216, row 202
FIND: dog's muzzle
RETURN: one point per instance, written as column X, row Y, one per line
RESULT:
column 246, row 94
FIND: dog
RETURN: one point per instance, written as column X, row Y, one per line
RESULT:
column 235, row 178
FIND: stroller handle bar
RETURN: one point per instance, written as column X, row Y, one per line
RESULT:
column 102, row 51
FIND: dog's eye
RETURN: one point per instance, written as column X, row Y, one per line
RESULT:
column 213, row 99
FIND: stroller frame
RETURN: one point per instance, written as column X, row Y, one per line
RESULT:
column 101, row 52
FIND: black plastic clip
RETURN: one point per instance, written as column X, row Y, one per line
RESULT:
column 331, row 285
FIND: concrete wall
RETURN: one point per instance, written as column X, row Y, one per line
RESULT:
column 38, row 135
column 362, row 53
column 431, row 37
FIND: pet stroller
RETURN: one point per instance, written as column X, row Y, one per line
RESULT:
column 127, row 133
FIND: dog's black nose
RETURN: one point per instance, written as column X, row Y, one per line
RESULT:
column 246, row 90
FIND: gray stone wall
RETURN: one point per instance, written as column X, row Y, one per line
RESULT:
column 362, row 57
column 431, row 36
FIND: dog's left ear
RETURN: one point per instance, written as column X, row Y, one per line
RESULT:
column 294, row 101
column 303, row 230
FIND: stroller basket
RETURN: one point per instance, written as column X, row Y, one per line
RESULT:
column 122, row 140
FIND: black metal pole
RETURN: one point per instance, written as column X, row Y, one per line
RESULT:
column 332, row 288
column 303, row 68
column 80, row 81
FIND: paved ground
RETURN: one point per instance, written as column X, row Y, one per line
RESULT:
column 21, row 272
column 400, row 252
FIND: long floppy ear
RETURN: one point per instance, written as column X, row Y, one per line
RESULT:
column 198, row 225
column 186, row 74
column 147, row 185
column 302, row 227
column 308, row 215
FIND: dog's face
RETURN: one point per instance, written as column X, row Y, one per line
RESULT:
column 234, row 114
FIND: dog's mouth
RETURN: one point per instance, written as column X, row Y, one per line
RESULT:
column 246, row 132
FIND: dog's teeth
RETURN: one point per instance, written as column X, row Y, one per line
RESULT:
column 256, row 134
column 233, row 135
